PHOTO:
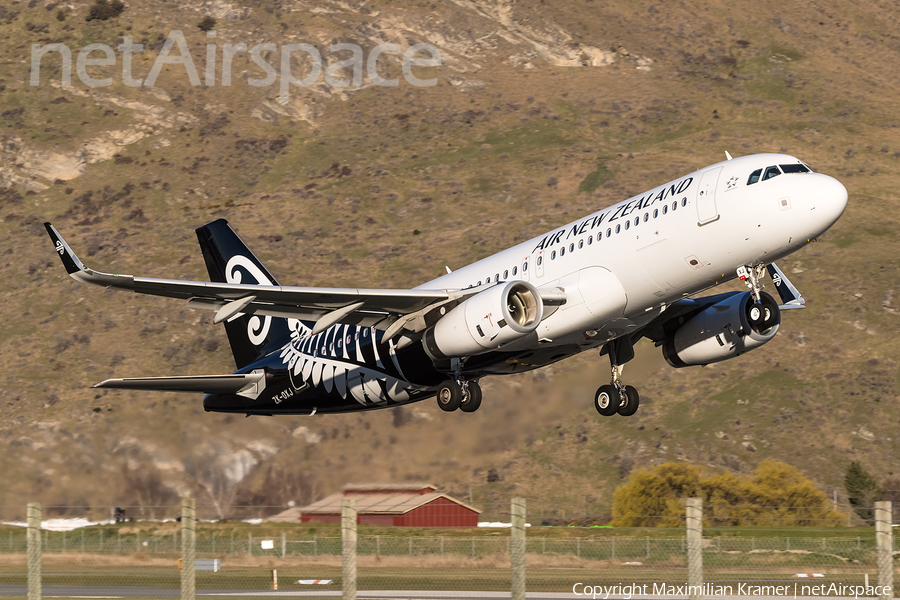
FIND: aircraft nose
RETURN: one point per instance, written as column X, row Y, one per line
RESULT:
column 832, row 200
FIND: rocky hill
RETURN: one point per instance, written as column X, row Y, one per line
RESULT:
column 541, row 112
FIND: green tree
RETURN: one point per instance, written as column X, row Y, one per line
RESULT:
column 776, row 494
column 862, row 490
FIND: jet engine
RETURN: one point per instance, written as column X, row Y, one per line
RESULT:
column 724, row 330
column 486, row 321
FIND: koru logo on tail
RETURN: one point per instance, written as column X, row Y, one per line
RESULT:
column 60, row 248
column 256, row 331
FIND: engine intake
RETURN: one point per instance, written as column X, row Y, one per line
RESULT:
column 486, row 321
column 724, row 330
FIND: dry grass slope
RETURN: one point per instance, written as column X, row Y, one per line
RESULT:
column 385, row 186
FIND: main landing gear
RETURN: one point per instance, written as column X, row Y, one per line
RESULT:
column 465, row 396
column 459, row 393
column 616, row 397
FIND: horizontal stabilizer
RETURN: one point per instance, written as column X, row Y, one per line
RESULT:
column 207, row 384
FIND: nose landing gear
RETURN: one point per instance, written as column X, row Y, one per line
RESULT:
column 616, row 397
column 763, row 313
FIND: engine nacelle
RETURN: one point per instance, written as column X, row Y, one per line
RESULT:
column 486, row 321
column 724, row 330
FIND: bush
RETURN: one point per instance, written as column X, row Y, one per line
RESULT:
column 102, row 10
column 207, row 23
column 777, row 494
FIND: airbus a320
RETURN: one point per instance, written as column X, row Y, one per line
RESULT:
column 605, row 281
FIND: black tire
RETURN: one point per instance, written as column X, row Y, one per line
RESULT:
column 449, row 396
column 473, row 400
column 763, row 316
column 607, row 400
column 632, row 401
column 756, row 316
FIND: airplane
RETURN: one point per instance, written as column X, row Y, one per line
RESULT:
column 605, row 281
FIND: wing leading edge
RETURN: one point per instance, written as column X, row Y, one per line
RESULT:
column 367, row 306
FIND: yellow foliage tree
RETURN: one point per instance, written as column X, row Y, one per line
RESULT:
column 776, row 494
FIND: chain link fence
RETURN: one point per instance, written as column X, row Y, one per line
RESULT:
column 147, row 559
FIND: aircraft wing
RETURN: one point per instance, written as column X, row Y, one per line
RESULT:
column 668, row 321
column 409, row 309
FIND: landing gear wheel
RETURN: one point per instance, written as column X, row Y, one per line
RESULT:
column 607, row 400
column 449, row 396
column 756, row 314
column 763, row 315
column 473, row 398
column 631, row 403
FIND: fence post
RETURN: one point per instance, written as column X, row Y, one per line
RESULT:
column 250, row 544
column 517, row 548
column 188, row 549
column 885, row 548
column 34, row 551
column 283, row 545
column 694, row 526
column 348, row 547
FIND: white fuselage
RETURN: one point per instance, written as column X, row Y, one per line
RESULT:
column 621, row 266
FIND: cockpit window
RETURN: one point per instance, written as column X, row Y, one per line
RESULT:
column 798, row 168
column 771, row 172
column 754, row 177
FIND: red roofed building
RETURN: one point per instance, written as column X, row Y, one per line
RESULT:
column 400, row 505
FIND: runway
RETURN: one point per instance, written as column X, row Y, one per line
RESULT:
column 124, row 592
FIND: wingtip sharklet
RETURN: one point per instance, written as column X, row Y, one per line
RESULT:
column 69, row 259
column 790, row 296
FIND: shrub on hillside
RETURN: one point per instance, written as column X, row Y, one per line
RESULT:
column 102, row 10
column 777, row 494
column 207, row 23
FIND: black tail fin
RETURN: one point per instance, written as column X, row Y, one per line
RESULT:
column 229, row 260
